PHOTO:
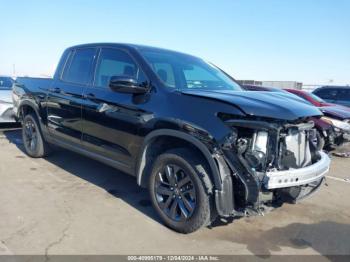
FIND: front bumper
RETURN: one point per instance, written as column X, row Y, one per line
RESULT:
column 298, row 177
column 347, row 137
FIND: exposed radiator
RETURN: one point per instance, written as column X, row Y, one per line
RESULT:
column 295, row 149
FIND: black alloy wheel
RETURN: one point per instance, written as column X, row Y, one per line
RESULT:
column 181, row 190
column 33, row 141
column 175, row 193
column 30, row 137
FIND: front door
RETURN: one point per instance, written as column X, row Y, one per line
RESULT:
column 110, row 119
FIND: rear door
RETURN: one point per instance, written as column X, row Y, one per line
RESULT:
column 65, row 97
column 110, row 119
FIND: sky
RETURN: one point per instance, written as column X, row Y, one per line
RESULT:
column 291, row 40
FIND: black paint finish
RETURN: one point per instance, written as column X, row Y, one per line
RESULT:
column 117, row 128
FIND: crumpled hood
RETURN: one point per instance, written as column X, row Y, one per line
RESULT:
column 264, row 104
column 6, row 96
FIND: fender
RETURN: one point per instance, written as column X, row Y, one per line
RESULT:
column 141, row 163
column 36, row 109
column 32, row 105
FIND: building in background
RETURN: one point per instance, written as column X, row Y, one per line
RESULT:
column 277, row 84
column 283, row 84
column 250, row 82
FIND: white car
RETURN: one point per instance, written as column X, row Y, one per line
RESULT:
column 6, row 105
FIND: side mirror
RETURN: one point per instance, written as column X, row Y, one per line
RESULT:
column 126, row 84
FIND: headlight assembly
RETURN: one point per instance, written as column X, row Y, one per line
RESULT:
column 342, row 125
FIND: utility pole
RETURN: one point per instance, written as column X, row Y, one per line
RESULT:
column 14, row 70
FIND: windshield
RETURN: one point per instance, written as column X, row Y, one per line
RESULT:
column 5, row 83
column 182, row 71
column 315, row 97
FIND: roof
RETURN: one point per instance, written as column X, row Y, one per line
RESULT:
column 345, row 87
column 127, row 46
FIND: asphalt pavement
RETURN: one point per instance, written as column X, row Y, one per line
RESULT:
column 69, row 204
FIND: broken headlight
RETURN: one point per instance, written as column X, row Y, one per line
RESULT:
column 256, row 154
column 342, row 125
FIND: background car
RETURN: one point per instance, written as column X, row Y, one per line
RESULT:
column 337, row 115
column 272, row 89
column 334, row 94
column 325, row 134
column 263, row 88
column 6, row 105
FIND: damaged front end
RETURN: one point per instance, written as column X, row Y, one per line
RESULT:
column 339, row 133
column 271, row 162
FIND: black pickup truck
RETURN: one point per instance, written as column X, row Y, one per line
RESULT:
column 183, row 127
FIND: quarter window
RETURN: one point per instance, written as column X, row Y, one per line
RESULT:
column 79, row 67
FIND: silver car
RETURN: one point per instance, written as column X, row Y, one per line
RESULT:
column 6, row 105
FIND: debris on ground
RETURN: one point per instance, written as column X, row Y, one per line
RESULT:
column 342, row 154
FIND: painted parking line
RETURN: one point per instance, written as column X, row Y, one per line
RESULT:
column 346, row 180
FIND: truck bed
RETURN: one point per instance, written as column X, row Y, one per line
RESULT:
column 26, row 86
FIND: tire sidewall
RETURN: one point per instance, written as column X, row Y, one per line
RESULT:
column 39, row 150
column 202, row 208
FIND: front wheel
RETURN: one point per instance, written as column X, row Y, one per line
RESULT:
column 179, row 192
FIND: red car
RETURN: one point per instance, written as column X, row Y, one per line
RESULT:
column 325, row 134
column 339, row 111
column 338, row 116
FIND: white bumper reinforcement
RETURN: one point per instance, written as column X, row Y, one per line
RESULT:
column 297, row 177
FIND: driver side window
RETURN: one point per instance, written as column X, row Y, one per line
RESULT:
column 115, row 62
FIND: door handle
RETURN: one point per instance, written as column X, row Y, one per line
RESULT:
column 55, row 90
column 103, row 108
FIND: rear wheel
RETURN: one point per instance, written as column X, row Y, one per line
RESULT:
column 34, row 143
column 179, row 191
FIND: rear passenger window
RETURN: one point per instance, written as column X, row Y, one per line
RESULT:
column 115, row 62
column 79, row 67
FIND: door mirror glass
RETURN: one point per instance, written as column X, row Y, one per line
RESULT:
column 126, row 84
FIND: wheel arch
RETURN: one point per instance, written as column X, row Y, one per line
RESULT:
column 25, row 107
column 147, row 155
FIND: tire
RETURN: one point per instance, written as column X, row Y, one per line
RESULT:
column 188, row 190
column 34, row 144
